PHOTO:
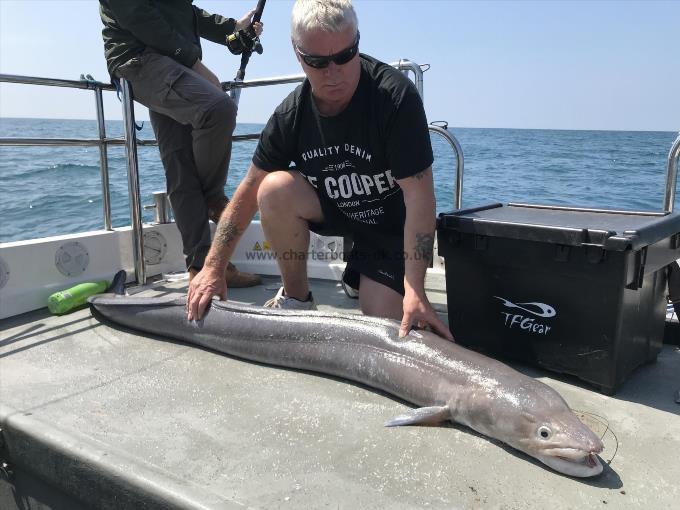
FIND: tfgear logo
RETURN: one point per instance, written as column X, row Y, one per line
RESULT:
column 545, row 311
column 524, row 322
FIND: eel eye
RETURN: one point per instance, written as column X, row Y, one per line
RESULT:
column 544, row 432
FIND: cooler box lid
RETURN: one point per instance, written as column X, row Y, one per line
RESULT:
column 611, row 230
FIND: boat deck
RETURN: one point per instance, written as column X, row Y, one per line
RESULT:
column 129, row 421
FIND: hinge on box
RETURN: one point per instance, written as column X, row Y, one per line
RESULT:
column 639, row 270
column 675, row 241
column 481, row 242
column 594, row 242
column 595, row 253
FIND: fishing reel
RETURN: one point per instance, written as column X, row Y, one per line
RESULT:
column 244, row 41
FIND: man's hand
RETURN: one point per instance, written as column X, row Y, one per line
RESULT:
column 206, row 73
column 245, row 21
column 419, row 312
column 206, row 284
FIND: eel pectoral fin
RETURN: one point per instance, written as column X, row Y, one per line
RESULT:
column 421, row 416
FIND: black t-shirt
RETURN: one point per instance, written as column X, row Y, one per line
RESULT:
column 353, row 159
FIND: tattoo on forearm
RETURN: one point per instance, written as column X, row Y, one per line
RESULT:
column 424, row 247
column 225, row 233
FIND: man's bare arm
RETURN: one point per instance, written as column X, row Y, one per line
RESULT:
column 418, row 247
column 419, row 228
column 235, row 219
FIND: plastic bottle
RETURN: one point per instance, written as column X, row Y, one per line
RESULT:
column 66, row 300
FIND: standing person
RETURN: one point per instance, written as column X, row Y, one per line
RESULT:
column 155, row 45
column 357, row 134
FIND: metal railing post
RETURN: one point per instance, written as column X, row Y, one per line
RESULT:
column 671, row 176
column 133, row 181
column 103, row 159
column 460, row 163
column 406, row 65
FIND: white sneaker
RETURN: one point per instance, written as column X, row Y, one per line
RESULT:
column 350, row 291
column 289, row 303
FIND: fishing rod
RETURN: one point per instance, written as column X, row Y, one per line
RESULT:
column 245, row 42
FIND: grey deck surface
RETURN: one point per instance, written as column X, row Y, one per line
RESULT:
column 202, row 430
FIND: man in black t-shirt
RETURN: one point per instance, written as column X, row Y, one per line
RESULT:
column 356, row 134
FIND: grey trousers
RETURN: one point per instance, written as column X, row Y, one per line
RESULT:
column 193, row 121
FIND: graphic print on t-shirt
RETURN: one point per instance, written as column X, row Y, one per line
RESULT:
column 343, row 174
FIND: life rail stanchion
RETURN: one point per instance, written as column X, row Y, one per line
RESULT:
column 671, row 176
column 442, row 129
column 103, row 159
column 133, row 181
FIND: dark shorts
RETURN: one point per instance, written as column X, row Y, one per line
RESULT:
column 376, row 254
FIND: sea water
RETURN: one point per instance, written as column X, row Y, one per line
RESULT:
column 48, row 191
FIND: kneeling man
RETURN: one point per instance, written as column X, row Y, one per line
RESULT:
column 357, row 134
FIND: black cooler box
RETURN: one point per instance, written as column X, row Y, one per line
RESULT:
column 576, row 291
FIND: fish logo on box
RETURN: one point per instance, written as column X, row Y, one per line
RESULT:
column 525, row 321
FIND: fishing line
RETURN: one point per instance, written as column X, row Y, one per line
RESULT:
column 603, row 421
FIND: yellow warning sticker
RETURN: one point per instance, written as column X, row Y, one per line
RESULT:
column 257, row 247
column 266, row 246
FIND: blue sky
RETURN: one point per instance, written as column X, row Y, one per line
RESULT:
column 562, row 65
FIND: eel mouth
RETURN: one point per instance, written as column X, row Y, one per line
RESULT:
column 573, row 462
column 589, row 460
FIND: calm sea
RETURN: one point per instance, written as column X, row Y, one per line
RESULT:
column 57, row 190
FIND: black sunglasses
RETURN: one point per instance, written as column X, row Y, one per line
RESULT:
column 321, row 62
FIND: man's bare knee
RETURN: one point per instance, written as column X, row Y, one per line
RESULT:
column 285, row 192
column 274, row 189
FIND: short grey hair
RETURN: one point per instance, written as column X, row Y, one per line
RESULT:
column 326, row 15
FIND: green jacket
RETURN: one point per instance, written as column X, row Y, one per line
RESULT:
column 171, row 27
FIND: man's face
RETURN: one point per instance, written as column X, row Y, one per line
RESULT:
column 335, row 84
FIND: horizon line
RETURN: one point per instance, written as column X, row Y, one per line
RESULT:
column 450, row 126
